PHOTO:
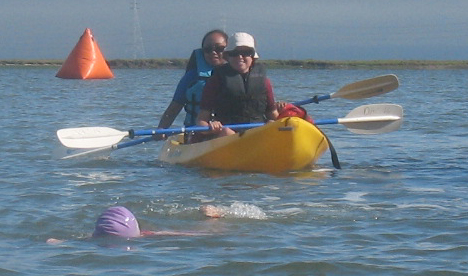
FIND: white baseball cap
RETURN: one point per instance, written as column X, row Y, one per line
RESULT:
column 241, row 39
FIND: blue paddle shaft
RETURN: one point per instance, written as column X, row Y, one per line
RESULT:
column 132, row 143
column 315, row 99
column 171, row 131
column 326, row 122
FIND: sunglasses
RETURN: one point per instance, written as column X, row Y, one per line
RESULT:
column 217, row 48
column 244, row 53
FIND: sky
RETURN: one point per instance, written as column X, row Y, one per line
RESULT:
column 283, row 29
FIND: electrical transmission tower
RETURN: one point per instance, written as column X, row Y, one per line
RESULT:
column 138, row 46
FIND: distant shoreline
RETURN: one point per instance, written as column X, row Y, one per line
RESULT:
column 273, row 64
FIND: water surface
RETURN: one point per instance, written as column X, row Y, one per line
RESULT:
column 398, row 206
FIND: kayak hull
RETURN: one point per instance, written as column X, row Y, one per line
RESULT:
column 287, row 144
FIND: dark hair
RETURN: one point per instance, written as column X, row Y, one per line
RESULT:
column 216, row 31
column 192, row 63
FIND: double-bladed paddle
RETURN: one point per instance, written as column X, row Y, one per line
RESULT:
column 365, row 119
column 102, row 136
column 360, row 89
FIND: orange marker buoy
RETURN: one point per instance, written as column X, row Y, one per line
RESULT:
column 85, row 61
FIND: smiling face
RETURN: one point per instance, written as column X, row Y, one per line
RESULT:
column 213, row 48
column 241, row 59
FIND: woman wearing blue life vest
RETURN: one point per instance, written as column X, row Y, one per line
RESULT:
column 190, row 87
column 239, row 91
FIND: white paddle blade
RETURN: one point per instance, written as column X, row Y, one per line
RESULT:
column 374, row 119
column 90, row 137
column 368, row 88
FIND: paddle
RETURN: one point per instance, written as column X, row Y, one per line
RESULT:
column 110, row 147
column 360, row 90
column 95, row 137
column 366, row 119
column 370, row 119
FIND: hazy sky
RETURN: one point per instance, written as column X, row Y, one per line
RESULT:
column 284, row 29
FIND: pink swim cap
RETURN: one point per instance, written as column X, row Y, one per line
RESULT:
column 117, row 221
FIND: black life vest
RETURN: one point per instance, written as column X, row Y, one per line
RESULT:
column 241, row 100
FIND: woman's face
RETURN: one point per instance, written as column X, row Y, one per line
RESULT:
column 241, row 58
column 213, row 48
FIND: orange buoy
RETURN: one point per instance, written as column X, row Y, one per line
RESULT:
column 85, row 61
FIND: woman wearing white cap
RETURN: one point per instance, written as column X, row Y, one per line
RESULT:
column 239, row 91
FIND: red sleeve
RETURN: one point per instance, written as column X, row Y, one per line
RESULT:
column 270, row 96
column 212, row 86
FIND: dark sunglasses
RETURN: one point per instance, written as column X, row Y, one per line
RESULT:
column 217, row 48
column 244, row 53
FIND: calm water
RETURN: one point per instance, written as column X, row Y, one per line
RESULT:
column 399, row 206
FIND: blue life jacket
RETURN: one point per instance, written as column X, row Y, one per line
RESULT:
column 195, row 90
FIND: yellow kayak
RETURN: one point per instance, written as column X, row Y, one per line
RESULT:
column 287, row 144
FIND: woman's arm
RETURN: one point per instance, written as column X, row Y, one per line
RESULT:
column 170, row 114
column 178, row 100
column 204, row 119
column 272, row 111
column 272, row 115
column 147, row 233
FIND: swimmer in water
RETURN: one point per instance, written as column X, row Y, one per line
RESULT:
column 118, row 221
